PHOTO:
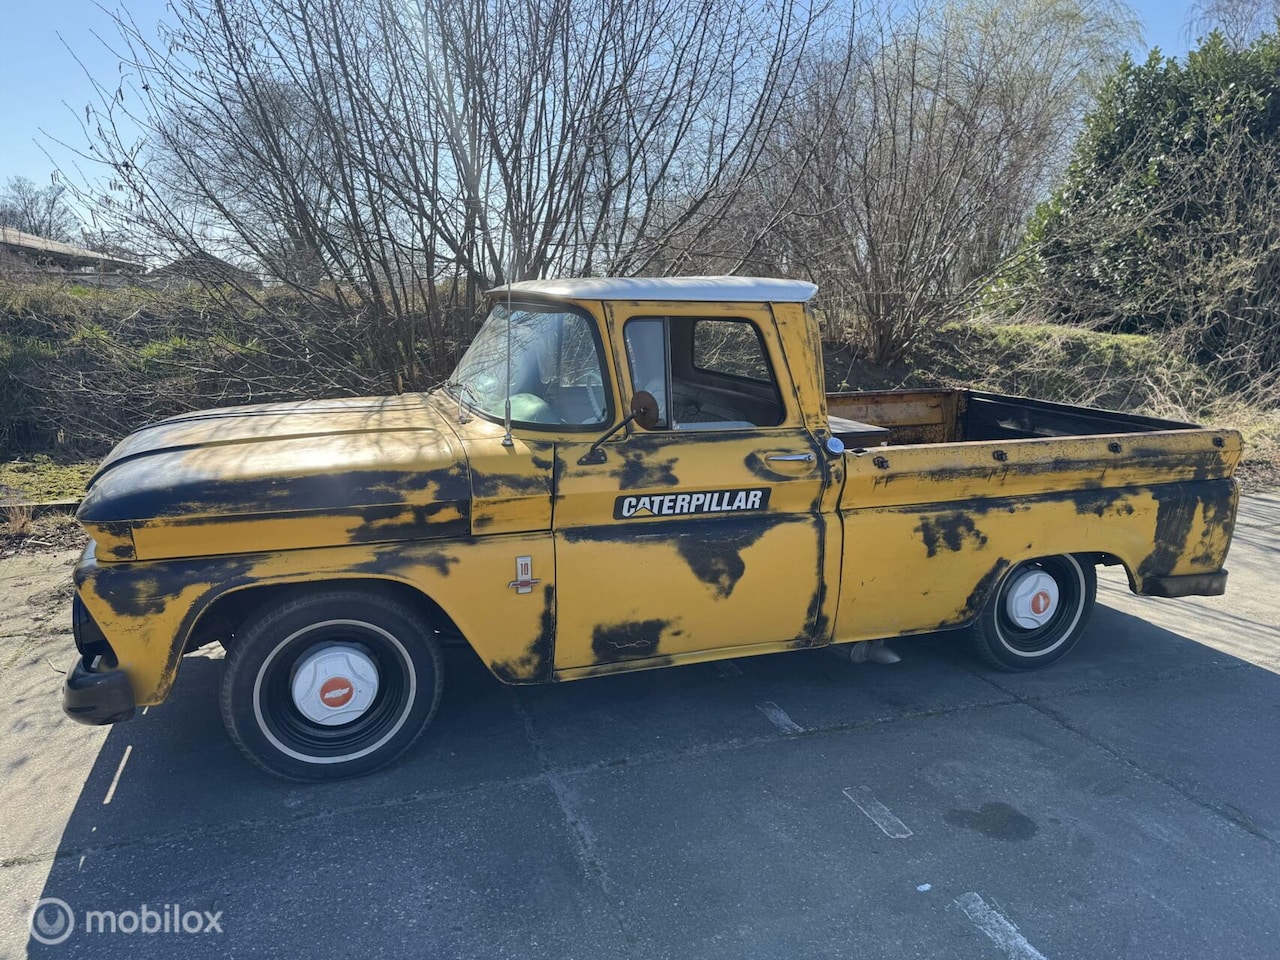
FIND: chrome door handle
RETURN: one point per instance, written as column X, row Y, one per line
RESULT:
column 793, row 457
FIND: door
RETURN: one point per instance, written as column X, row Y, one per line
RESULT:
column 705, row 534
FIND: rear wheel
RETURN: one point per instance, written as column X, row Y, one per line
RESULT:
column 1037, row 613
column 331, row 685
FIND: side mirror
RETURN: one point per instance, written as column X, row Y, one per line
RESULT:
column 644, row 409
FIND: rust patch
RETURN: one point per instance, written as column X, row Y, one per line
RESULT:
column 631, row 640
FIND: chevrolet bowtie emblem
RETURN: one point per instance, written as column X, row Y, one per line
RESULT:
column 524, row 581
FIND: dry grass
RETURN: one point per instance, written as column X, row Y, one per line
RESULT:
column 16, row 516
column 42, row 478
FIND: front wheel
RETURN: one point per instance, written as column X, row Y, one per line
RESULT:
column 1037, row 613
column 332, row 684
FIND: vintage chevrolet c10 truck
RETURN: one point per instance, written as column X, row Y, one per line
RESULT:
column 621, row 474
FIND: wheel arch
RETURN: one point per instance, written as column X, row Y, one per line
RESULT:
column 221, row 615
column 990, row 582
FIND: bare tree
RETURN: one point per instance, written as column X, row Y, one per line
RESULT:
column 43, row 211
column 380, row 157
column 910, row 166
column 1239, row 21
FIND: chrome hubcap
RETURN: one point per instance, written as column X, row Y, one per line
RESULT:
column 335, row 685
column 1032, row 599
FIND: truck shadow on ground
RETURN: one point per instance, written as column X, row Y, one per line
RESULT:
column 171, row 813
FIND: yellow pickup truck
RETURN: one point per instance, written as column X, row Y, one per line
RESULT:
column 621, row 474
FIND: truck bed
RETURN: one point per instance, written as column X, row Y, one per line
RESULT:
column 949, row 416
column 976, row 482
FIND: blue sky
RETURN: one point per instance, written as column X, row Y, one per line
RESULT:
column 43, row 88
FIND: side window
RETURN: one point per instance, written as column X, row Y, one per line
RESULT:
column 647, row 354
column 732, row 347
column 707, row 374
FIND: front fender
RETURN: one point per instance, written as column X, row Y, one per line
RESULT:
column 147, row 611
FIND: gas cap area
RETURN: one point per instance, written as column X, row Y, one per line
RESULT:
column 335, row 685
column 1032, row 599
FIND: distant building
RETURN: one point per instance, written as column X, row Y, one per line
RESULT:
column 201, row 268
column 26, row 250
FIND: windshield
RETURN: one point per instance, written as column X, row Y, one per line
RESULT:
column 556, row 372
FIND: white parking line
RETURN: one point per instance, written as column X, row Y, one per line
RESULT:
column 778, row 717
column 727, row 668
column 115, row 781
column 998, row 927
column 877, row 812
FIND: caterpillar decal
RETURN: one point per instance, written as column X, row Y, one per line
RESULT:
column 750, row 500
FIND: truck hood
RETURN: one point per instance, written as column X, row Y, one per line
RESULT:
column 280, row 476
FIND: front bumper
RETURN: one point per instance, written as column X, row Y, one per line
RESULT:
column 1192, row 585
column 94, row 695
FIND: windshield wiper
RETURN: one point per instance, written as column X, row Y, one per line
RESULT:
column 461, row 390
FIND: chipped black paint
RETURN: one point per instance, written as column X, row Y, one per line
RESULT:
column 620, row 666
column 131, row 590
column 494, row 484
column 817, row 625
column 1219, row 514
column 630, row 640
column 397, row 560
column 640, row 468
column 1177, row 505
column 418, row 522
column 137, row 590
column 1206, row 464
column 537, row 458
column 1100, row 502
column 535, row 664
column 122, row 530
column 711, row 545
column 756, row 464
column 980, row 594
column 951, row 530
column 718, row 562
column 153, row 488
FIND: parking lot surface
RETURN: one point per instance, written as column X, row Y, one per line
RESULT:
column 1122, row 803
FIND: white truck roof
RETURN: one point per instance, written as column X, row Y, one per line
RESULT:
column 739, row 289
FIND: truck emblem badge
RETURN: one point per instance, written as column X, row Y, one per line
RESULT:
column 337, row 692
column 524, row 581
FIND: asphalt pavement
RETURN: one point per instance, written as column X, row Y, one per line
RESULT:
column 1123, row 803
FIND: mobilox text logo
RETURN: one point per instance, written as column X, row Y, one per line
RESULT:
column 52, row 921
